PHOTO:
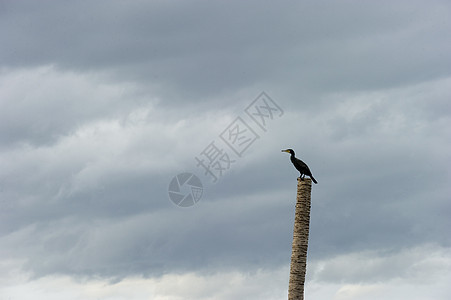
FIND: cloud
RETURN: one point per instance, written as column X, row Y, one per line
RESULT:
column 222, row 286
column 107, row 178
column 382, row 274
column 41, row 105
column 152, row 243
column 162, row 44
column 375, row 266
column 372, row 275
column 101, row 104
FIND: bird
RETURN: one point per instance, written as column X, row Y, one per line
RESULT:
column 300, row 166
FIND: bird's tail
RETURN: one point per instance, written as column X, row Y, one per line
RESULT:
column 314, row 180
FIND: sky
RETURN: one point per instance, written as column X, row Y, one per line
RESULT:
column 106, row 106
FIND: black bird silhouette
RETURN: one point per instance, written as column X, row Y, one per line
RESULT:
column 300, row 166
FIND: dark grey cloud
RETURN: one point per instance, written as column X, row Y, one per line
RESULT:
column 200, row 49
column 42, row 106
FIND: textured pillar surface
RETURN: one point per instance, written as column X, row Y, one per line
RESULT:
column 300, row 240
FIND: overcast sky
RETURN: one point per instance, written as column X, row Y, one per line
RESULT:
column 102, row 103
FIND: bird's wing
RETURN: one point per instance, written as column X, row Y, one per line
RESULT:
column 300, row 163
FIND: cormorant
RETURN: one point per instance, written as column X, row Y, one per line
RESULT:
column 300, row 166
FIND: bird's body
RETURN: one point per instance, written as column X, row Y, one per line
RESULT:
column 300, row 166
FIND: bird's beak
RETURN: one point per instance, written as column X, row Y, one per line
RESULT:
column 284, row 150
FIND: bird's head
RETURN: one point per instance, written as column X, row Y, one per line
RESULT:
column 289, row 151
